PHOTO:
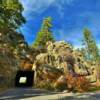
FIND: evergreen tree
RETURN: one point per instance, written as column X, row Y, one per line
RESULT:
column 45, row 34
column 92, row 48
column 10, row 14
column 91, row 45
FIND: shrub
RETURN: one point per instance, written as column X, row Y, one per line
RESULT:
column 60, row 84
column 78, row 83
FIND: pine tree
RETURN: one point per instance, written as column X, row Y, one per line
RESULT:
column 92, row 49
column 11, row 19
column 45, row 34
column 91, row 45
column 11, row 15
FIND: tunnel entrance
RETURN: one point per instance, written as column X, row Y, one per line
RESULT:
column 24, row 79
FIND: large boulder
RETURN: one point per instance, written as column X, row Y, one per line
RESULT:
column 56, row 54
column 51, row 72
column 56, row 61
column 53, row 63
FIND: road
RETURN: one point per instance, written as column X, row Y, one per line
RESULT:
column 39, row 94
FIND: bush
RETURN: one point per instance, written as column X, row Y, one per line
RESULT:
column 78, row 83
column 61, row 83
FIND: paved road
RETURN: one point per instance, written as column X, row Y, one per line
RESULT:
column 18, row 93
column 67, row 96
column 37, row 94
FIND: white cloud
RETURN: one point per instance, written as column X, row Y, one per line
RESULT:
column 60, row 5
column 35, row 6
column 38, row 6
column 74, row 36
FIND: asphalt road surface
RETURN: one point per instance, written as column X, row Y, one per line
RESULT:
column 39, row 94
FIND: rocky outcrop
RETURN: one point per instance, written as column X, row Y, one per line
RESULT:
column 60, row 54
column 59, row 60
column 8, row 67
column 13, row 49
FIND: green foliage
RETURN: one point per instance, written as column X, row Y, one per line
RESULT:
column 10, row 14
column 45, row 33
column 92, row 50
column 94, row 89
column 91, row 47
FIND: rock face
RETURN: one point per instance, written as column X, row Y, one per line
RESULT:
column 55, row 55
column 13, row 49
column 59, row 55
column 8, row 66
column 60, row 59
column 51, row 73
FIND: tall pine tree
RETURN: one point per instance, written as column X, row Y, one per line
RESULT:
column 92, row 49
column 91, row 45
column 45, row 34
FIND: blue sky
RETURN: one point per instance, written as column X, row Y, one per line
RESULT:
column 70, row 17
